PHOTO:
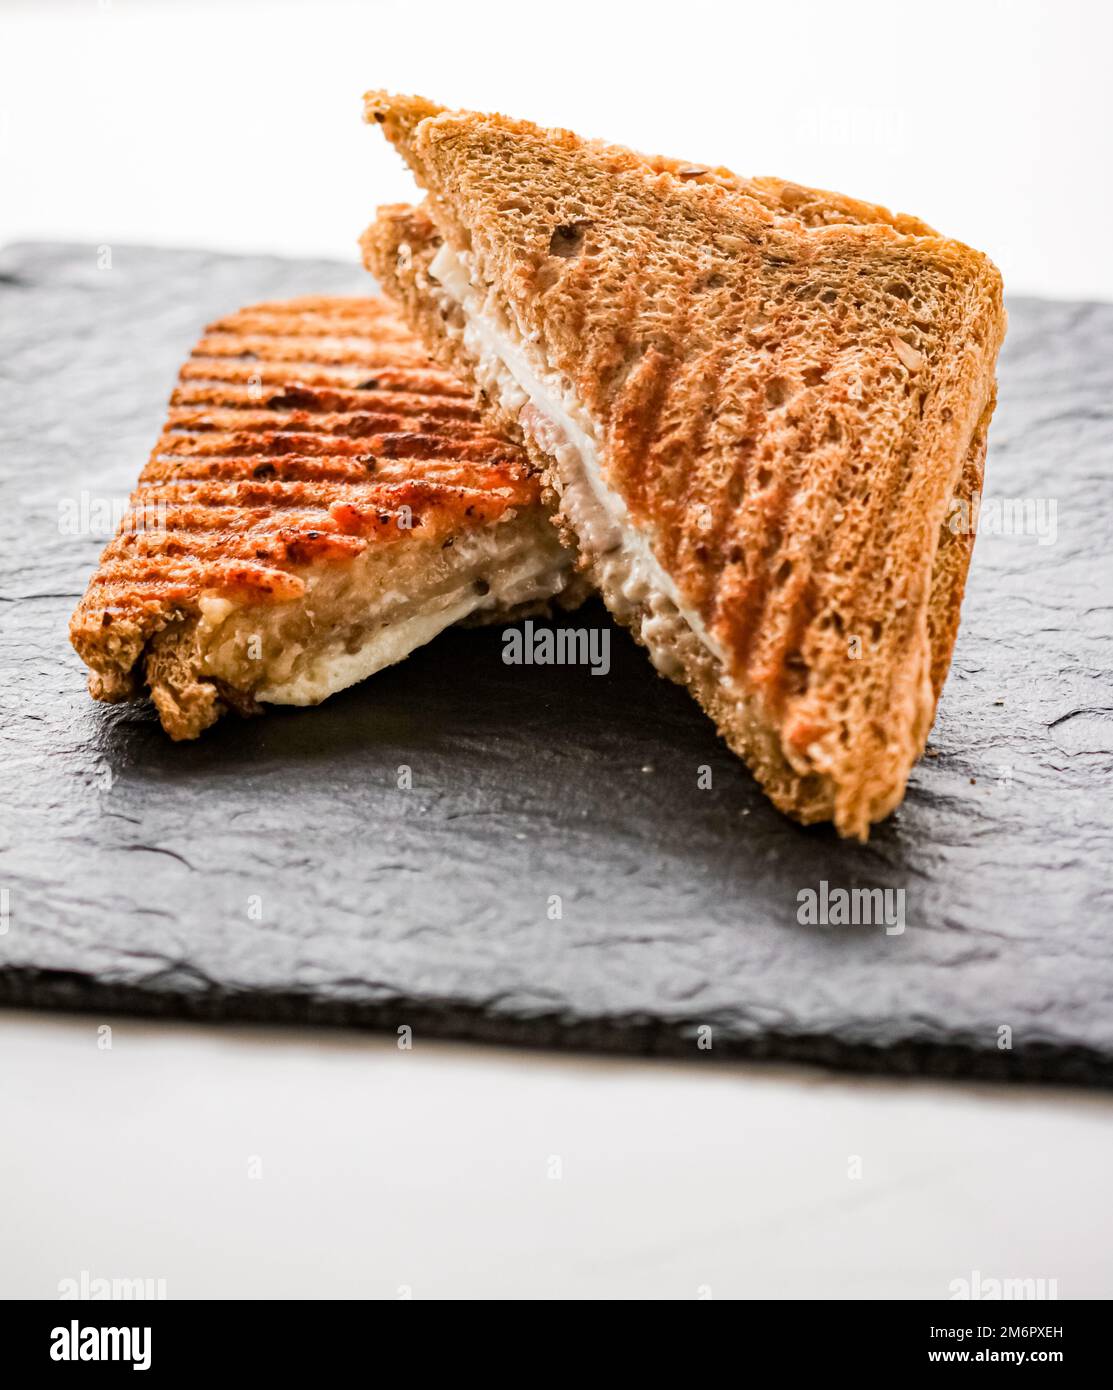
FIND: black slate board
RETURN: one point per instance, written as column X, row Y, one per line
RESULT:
column 132, row 864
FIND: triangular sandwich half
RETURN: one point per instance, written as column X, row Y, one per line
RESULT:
column 324, row 499
column 755, row 403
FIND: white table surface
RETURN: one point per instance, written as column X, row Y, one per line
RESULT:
column 380, row 1171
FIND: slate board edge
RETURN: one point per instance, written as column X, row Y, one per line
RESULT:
column 453, row 1020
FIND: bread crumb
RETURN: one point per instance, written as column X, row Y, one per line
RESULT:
column 911, row 358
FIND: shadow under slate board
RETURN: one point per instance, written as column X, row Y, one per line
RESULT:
column 132, row 865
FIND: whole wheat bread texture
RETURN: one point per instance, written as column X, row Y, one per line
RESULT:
column 789, row 389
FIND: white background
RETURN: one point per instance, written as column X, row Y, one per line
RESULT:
column 238, row 127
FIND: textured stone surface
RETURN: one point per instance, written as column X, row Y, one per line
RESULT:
column 131, row 863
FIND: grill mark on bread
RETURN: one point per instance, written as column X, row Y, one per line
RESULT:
column 678, row 542
column 634, row 422
column 324, row 400
column 354, row 424
column 383, row 370
column 294, row 468
column 392, row 444
column 291, row 351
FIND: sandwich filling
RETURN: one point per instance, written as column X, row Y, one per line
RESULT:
column 621, row 555
column 354, row 620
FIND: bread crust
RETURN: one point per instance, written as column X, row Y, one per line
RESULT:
column 787, row 408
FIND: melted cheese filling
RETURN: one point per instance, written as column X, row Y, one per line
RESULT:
column 354, row 620
column 622, row 554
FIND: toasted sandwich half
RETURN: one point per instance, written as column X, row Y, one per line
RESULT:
column 754, row 404
column 323, row 499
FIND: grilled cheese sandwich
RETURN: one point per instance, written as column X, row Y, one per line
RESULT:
column 753, row 404
column 324, row 500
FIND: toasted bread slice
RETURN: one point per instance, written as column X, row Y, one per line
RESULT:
column 323, row 499
column 755, row 404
